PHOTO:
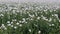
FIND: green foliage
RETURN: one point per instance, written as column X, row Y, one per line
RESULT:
column 28, row 21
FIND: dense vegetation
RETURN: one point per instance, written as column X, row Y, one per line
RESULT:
column 29, row 19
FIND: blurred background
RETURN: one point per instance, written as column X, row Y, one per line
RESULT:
column 18, row 1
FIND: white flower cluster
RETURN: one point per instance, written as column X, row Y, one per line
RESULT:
column 23, row 14
column 3, row 27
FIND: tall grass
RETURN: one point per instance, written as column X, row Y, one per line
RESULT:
column 29, row 19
